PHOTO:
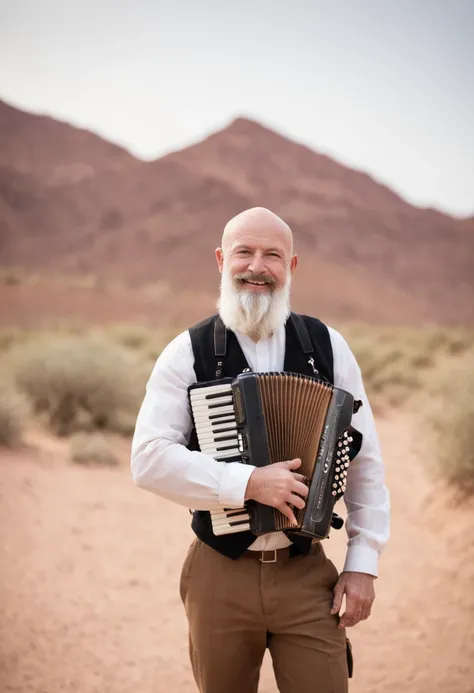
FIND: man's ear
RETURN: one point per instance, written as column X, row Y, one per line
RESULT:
column 220, row 259
column 293, row 263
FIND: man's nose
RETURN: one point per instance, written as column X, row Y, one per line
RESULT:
column 257, row 264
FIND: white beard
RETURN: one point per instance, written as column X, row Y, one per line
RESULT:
column 257, row 315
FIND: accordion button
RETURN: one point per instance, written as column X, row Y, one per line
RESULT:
column 334, row 493
column 338, row 469
column 334, row 485
column 350, row 439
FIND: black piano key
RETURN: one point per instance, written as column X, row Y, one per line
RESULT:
column 236, row 512
column 221, row 404
column 218, row 394
column 225, row 415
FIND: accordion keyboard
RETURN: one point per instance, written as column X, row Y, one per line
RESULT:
column 216, row 430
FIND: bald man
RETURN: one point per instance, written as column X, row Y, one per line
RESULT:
column 279, row 591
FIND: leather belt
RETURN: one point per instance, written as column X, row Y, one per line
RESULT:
column 275, row 555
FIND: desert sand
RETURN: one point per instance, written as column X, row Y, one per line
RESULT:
column 89, row 588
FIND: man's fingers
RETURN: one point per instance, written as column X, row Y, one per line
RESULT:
column 299, row 488
column 293, row 464
column 296, row 501
column 354, row 613
column 300, row 477
column 350, row 617
column 288, row 512
column 346, row 622
column 337, row 600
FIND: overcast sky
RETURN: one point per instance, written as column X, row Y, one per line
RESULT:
column 383, row 86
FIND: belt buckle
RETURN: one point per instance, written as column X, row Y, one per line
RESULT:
column 272, row 560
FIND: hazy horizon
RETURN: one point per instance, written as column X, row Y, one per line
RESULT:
column 383, row 89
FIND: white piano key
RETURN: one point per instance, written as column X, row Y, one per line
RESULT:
column 218, row 518
column 206, row 437
column 229, row 520
column 227, row 512
column 224, row 529
column 214, row 452
column 205, row 428
column 203, row 392
column 223, row 509
column 205, row 414
column 212, row 404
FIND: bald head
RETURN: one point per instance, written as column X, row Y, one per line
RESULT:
column 260, row 224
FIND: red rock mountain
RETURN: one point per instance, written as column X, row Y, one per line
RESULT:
column 72, row 202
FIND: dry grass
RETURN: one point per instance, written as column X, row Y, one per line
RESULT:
column 448, row 413
column 81, row 382
column 397, row 362
column 13, row 415
column 78, row 379
column 92, row 449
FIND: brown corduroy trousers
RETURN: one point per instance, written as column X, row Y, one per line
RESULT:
column 236, row 609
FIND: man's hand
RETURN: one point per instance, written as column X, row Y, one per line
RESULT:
column 360, row 595
column 277, row 485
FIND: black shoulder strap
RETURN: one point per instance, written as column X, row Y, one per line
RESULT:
column 302, row 332
column 220, row 337
column 220, row 345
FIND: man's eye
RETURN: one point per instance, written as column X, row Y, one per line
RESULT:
column 273, row 254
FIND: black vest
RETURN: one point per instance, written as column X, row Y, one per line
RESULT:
column 217, row 354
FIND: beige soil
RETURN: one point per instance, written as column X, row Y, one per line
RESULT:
column 89, row 596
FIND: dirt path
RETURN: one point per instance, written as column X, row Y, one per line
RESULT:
column 89, row 598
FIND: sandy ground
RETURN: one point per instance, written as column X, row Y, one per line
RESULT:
column 89, row 589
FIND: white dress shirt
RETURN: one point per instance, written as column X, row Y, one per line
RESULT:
column 162, row 464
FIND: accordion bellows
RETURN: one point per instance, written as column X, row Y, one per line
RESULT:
column 295, row 411
column 263, row 418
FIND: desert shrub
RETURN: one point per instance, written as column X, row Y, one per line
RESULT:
column 10, row 277
column 448, row 414
column 78, row 382
column 132, row 336
column 124, row 422
column 9, row 336
column 92, row 449
column 149, row 342
column 396, row 361
column 13, row 414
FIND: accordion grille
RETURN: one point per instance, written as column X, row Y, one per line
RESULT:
column 295, row 410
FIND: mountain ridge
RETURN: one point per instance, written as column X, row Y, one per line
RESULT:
column 74, row 202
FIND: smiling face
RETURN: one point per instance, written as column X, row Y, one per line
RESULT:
column 256, row 263
column 257, row 251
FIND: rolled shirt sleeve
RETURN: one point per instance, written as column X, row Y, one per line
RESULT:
column 367, row 498
column 160, row 460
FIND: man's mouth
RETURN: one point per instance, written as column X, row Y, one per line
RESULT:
column 255, row 281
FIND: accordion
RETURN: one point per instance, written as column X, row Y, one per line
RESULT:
column 263, row 418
